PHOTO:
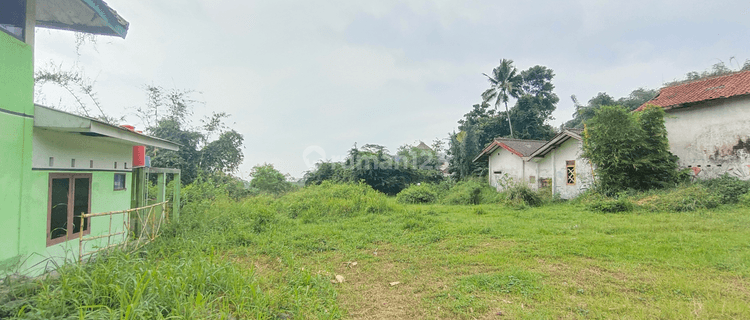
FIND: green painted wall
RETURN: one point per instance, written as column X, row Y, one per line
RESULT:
column 34, row 226
column 16, row 96
column 17, row 76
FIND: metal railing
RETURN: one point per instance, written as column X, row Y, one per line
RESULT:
column 148, row 228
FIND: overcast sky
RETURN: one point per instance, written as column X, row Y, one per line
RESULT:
column 322, row 75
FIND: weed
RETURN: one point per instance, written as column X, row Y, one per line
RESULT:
column 273, row 258
column 681, row 199
column 727, row 188
column 524, row 194
column 419, row 193
column 608, row 205
column 479, row 211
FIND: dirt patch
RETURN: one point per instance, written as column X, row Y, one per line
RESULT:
column 367, row 293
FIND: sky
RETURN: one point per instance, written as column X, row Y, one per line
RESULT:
column 305, row 80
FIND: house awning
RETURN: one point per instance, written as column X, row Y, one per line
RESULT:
column 57, row 120
column 89, row 16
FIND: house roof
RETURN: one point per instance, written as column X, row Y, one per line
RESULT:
column 731, row 85
column 520, row 147
column 57, row 120
column 423, row 146
column 89, row 16
column 565, row 135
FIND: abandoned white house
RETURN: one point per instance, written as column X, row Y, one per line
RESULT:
column 556, row 164
column 708, row 124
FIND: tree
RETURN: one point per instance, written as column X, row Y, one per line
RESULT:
column 463, row 148
column 534, row 108
column 382, row 171
column 505, row 83
column 331, row 171
column 531, row 113
column 81, row 88
column 223, row 154
column 167, row 115
column 635, row 99
column 629, row 151
column 269, row 180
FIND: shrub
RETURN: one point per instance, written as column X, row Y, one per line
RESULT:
column 681, row 199
column 630, row 150
column 727, row 188
column 464, row 192
column 269, row 180
column 745, row 199
column 419, row 193
column 524, row 194
column 333, row 200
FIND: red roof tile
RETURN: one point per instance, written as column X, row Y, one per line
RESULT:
column 731, row 85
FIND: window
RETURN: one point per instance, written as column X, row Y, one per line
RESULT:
column 545, row 183
column 119, row 181
column 69, row 196
column 570, row 170
column 13, row 18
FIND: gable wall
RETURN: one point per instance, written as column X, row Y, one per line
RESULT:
column 553, row 166
column 513, row 168
column 713, row 135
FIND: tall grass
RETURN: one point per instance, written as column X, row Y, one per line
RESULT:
column 274, row 258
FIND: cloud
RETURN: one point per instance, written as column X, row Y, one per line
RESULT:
column 295, row 74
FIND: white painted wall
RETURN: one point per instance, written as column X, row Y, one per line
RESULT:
column 553, row 166
column 514, row 169
column 712, row 138
column 65, row 146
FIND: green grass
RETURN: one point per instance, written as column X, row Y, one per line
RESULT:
column 274, row 258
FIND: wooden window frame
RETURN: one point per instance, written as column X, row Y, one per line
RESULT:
column 570, row 171
column 124, row 182
column 70, row 235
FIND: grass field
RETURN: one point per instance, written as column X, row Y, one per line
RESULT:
column 265, row 258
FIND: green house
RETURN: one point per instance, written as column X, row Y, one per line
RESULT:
column 56, row 165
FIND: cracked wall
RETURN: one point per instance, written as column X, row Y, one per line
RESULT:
column 712, row 138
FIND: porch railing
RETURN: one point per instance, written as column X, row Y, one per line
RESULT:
column 149, row 225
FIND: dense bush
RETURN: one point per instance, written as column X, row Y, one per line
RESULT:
column 745, row 199
column 630, row 150
column 681, row 199
column 333, row 200
column 524, row 194
column 729, row 189
column 267, row 179
column 384, row 172
column 471, row 192
column 419, row 193
column 609, row 205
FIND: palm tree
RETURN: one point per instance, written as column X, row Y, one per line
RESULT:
column 506, row 83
